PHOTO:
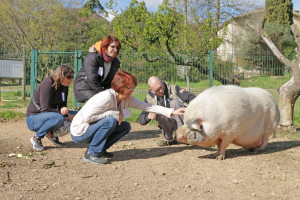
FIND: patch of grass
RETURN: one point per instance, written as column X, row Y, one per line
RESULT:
column 19, row 93
column 13, row 104
column 7, row 115
column 296, row 117
column 291, row 136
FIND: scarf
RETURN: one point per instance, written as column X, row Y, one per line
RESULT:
column 106, row 58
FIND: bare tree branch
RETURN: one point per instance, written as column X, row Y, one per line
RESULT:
column 274, row 49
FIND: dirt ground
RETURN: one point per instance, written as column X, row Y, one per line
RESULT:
column 142, row 170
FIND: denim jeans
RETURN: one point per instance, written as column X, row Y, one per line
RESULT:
column 72, row 112
column 103, row 134
column 44, row 122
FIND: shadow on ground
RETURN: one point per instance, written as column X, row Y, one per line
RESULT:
column 271, row 148
column 135, row 135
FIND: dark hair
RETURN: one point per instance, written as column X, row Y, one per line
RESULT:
column 108, row 40
column 122, row 79
column 60, row 72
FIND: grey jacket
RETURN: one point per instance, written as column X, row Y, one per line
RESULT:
column 170, row 92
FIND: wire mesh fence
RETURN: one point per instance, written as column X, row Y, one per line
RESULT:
column 191, row 72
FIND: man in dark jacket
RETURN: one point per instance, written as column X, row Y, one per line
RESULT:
column 98, row 69
column 170, row 96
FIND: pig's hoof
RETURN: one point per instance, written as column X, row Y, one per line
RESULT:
column 220, row 157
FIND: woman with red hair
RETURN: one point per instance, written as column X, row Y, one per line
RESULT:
column 100, row 121
column 98, row 69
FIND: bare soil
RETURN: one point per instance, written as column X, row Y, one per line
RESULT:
column 142, row 170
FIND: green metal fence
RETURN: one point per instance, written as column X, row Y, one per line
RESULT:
column 191, row 72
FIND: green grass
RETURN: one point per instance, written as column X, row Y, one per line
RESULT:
column 290, row 136
column 266, row 82
column 7, row 115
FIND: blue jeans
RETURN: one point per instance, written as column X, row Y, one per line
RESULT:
column 72, row 112
column 44, row 122
column 103, row 134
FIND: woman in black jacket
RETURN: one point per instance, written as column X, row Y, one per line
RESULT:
column 48, row 106
column 98, row 69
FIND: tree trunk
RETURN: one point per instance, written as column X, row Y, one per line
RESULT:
column 288, row 95
column 290, row 91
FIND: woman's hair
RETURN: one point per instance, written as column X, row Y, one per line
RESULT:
column 60, row 72
column 108, row 40
column 121, row 80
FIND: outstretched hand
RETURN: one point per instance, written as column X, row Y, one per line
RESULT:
column 179, row 111
column 152, row 116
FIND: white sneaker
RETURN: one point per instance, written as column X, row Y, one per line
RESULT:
column 37, row 143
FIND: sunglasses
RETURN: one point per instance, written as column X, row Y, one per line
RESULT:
column 70, row 77
column 129, row 88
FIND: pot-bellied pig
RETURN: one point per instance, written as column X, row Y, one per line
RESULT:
column 230, row 114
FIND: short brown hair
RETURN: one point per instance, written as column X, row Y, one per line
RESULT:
column 122, row 79
column 108, row 40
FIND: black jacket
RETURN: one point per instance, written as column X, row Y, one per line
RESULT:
column 88, row 82
column 47, row 99
column 170, row 91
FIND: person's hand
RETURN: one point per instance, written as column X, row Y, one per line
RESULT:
column 121, row 116
column 179, row 111
column 64, row 111
column 70, row 117
column 152, row 116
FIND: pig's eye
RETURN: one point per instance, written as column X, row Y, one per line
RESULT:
column 201, row 126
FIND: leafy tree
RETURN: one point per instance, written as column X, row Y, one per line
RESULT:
column 38, row 24
column 166, row 28
column 94, row 26
column 199, row 35
column 278, row 18
column 129, row 26
column 280, row 11
column 92, row 6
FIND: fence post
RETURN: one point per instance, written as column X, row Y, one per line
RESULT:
column 77, row 64
column 75, row 73
column 32, row 72
column 211, row 67
column 35, row 67
column 24, row 74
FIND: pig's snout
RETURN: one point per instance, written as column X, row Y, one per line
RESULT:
column 181, row 134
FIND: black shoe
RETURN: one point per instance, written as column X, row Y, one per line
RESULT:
column 94, row 159
column 54, row 139
column 106, row 154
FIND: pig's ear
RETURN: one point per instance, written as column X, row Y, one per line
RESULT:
column 197, row 124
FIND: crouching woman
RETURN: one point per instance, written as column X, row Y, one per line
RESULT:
column 48, row 106
column 100, row 121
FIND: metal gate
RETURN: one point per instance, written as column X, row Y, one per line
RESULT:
column 44, row 63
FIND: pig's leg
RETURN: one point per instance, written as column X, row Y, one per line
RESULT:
column 265, row 140
column 222, row 145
